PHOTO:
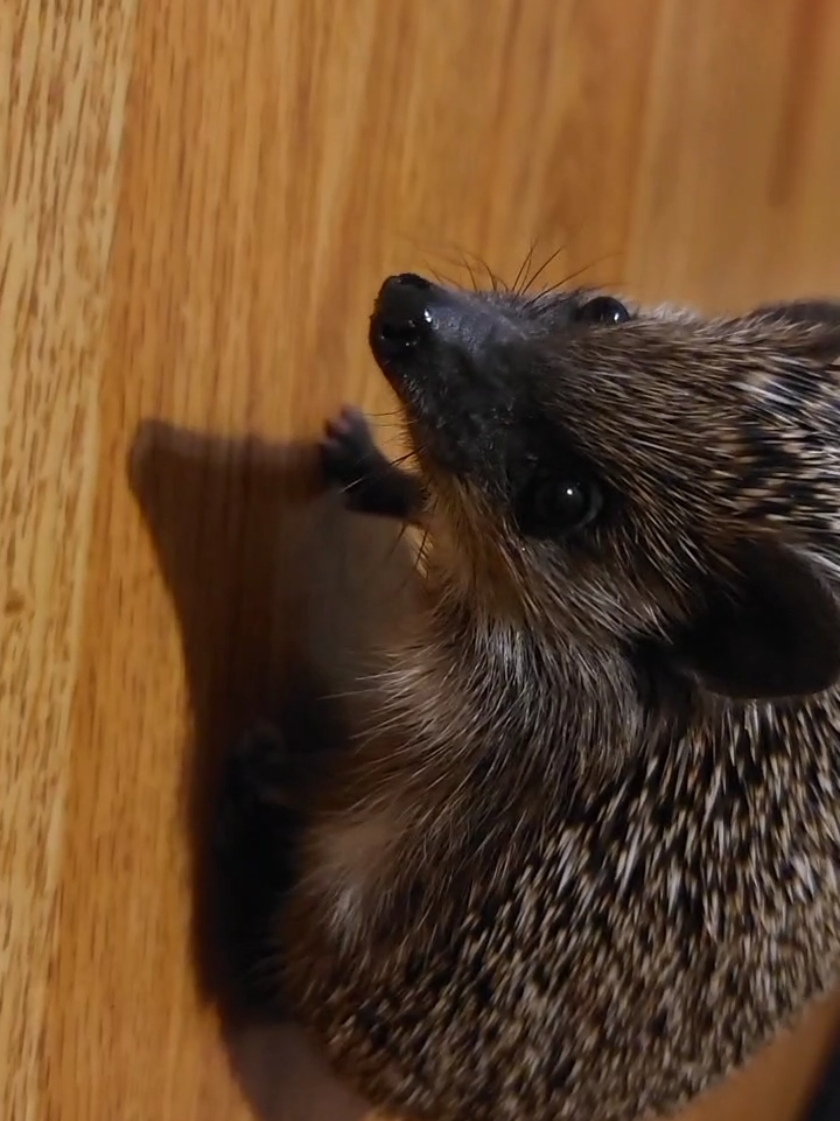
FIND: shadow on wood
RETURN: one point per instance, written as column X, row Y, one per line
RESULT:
column 275, row 587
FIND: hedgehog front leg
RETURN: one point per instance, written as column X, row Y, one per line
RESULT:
column 256, row 839
column 370, row 483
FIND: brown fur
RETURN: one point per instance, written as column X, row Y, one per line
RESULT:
column 567, row 873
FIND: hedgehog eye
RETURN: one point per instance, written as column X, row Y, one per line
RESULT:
column 554, row 505
column 602, row 309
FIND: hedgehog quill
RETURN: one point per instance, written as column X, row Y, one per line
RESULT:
column 586, row 862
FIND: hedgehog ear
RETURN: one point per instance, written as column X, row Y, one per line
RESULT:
column 817, row 313
column 767, row 629
column 821, row 344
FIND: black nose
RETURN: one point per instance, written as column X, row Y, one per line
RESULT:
column 401, row 319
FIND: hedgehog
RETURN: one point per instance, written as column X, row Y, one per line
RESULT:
column 581, row 858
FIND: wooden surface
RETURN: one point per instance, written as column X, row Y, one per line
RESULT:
column 198, row 202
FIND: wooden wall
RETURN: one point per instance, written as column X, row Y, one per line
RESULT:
column 198, row 202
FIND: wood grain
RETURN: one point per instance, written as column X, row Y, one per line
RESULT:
column 198, row 204
column 66, row 74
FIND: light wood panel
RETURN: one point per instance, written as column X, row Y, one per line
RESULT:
column 198, row 203
column 65, row 76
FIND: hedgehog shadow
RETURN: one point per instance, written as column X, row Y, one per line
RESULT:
column 275, row 587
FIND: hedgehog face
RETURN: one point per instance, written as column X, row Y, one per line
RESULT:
column 645, row 482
